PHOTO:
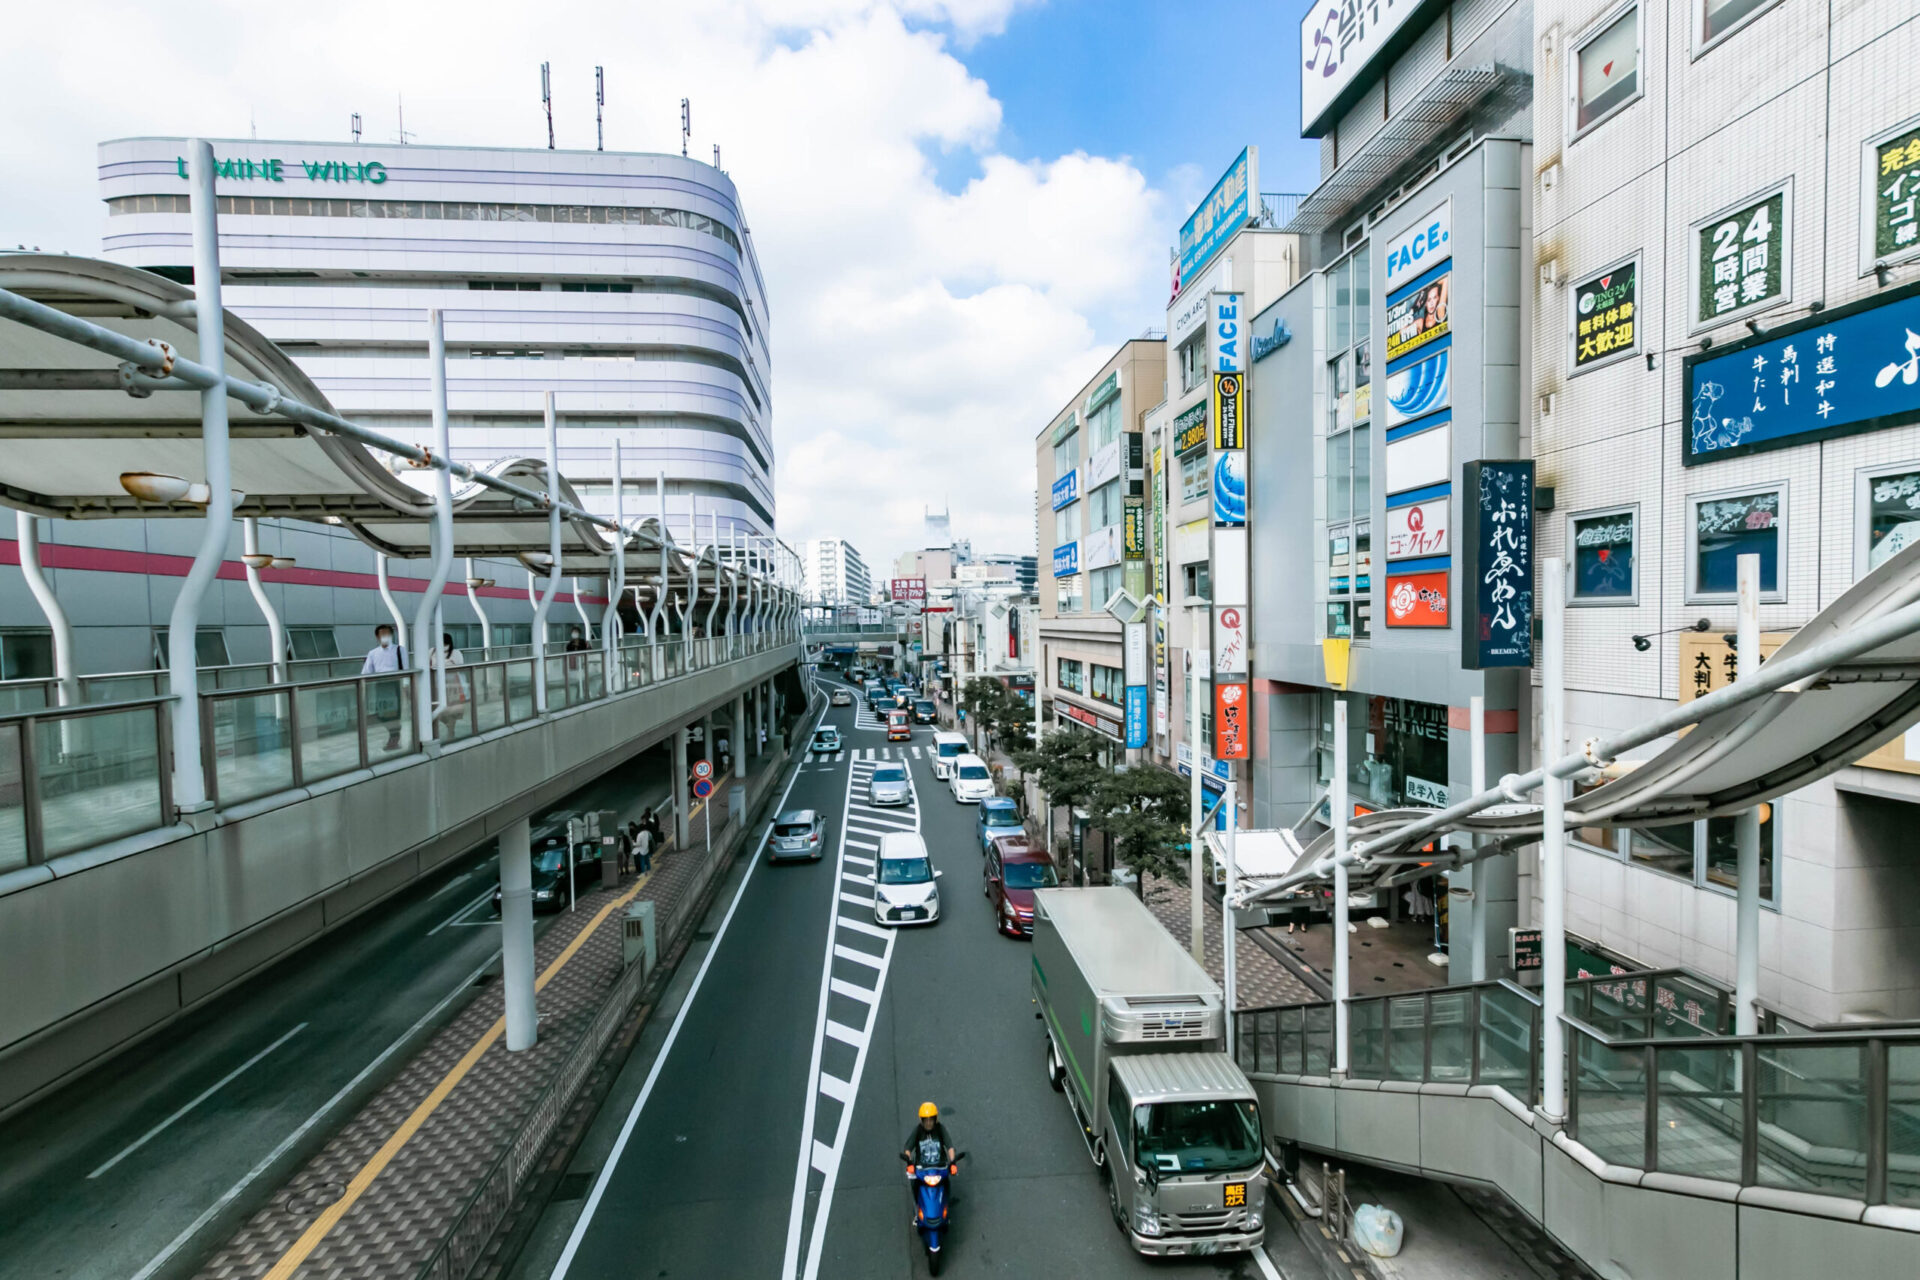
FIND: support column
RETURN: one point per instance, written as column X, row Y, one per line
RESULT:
column 1229, row 934
column 680, row 788
column 740, row 768
column 1553, row 846
column 1340, row 808
column 1746, row 828
column 276, row 632
column 516, row 934
column 545, row 603
column 1197, row 799
column 183, row 677
column 473, row 598
column 426, row 634
column 764, row 719
column 386, row 596
column 1476, row 936
column 67, row 685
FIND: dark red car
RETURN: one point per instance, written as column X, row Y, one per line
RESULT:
column 1014, row 869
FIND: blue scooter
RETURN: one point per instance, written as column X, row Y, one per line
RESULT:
column 929, row 1183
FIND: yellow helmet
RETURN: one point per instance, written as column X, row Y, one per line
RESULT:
column 928, row 1111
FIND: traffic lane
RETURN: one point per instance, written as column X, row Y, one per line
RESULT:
column 957, row 1028
column 355, row 994
column 703, row 1183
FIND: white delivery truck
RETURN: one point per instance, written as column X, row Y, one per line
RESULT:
column 1136, row 1039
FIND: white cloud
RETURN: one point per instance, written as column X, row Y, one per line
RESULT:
column 921, row 337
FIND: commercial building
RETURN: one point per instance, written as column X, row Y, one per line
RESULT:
column 1724, row 279
column 835, row 573
column 1088, row 460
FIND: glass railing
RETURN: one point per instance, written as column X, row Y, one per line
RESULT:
column 1653, row 1081
column 75, row 777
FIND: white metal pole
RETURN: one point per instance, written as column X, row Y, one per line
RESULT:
column 276, row 633
column 27, row 528
column 1553, row 847
column 189, row 782
column 386, row 596
column 516, row 934
column 473, row 598
column 1746, row 827
column 617, row 568
column 427, row 651
column 1340, row 810
column 1477, row 780
column 1197, row 804
column 545, row 603
column 1229, row 934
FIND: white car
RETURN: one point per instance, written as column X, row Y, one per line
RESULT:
column 970, row 780
column 889, row 785
column 904, row 886
column 947, row 748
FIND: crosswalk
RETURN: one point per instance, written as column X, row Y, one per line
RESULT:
column 859, row 955
column 874, row 754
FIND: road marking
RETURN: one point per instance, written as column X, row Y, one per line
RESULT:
column 857, row 860
column 866, row 995
column 845, row 1034
column 860, row 957
column 866, row 880
column 836, row 1088
column 484, row 895
column 212, row 1089
column 272, row 1157
column 861, row 844
column 856, row 899
column 861, row 926
column 660, row 1059
column 449, row 885
column 825, row 1158
column 1267, row 1268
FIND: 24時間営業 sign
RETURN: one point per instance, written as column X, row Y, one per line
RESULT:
column 1739, row 260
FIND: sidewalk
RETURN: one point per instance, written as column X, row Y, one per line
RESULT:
column 1259, row 977
column 1378, row 960
column 456, row 1132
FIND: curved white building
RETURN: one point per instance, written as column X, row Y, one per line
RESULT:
column 626, row 283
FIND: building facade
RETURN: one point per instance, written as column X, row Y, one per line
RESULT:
column 1724, row 269
column 834, row 572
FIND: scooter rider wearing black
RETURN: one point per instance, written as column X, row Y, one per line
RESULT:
column 928, row 1129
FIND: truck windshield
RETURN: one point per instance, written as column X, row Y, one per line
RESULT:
column 1215, row 1136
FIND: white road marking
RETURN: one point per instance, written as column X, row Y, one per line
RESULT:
column 865, row 995
column 221, row 1083
column 448, row 885
column 861, row 926
column 856, row 899
column 834, row 1087
column 862, row 844
column 485, row 894
column 845, row 1034
column 857, row 860
column 866, row 880
column 860, row 957
column 660, row 1059
column 1267, row 1268
column 825, row 1158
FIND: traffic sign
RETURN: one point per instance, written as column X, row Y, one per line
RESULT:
column 702, row 788
column 702, row 768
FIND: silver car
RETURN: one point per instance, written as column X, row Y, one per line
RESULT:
column 797, row 833
column 889, row 785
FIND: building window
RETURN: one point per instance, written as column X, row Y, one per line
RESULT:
column 1722, row 527
column 1193, row 360
column 1197, row 578
column 1605, row 839
column 1101, row 584
column 1196, row 477
column 1103, row 426
column 1066, row 524
column 1887, row 514
column 1068, row 597
column 1104, row 505
column 1703, row 854
column 25, row 655
column 1716, row 18
column 1066, row 453
column 209, row 648
column 1606, row 71
column 312, row 642
column 1109, row 684
column 1601, row 545
column 1070, row 675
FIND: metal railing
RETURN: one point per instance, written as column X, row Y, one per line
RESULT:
column 1656, row 1084
column 73, row 777
column 1278, row 207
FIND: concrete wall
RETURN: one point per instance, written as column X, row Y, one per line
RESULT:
column 105, row 945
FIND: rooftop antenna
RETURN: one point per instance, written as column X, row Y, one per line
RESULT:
column 546, row 96
column 599, row 108
column 402, row 136
column 686, row 124
column 356, row 126
column 716, row 155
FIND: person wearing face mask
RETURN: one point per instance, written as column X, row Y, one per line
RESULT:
column 454, row 696
column 383, row 701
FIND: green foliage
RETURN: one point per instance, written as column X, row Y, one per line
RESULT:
column 1001, row 712
column 1143, row 810
column 1067, row 766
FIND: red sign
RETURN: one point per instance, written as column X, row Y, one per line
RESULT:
column 1232, row 730
column 1112, row 728
column 1417, row 599
column 907, row 590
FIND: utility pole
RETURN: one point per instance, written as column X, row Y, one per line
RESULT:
column 546, row 98
column 599, row 109
column 356, row 126
column 686, row 124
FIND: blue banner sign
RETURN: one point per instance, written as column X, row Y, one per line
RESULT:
column 1855, row 368
column 1496, row 579
column 1066, row 489
column 1222, row 213
column 1066, row 560
column 1136, row 715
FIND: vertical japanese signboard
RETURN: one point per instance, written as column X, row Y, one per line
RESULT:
column 1892, row 197
column 1135, row 669
column 1496, row 583
column 1740, row 260
column 1232, row 727
column 1232, row 695
column 1604, row 324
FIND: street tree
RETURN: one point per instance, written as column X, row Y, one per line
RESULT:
column 1067, row 767
column 1001, row 712
column 1143, row 811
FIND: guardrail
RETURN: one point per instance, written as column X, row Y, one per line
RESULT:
column 1655, row 1083
column 73, row 777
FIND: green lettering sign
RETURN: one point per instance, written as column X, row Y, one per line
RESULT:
column 371, row 172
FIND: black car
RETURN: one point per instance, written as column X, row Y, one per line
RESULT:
column 924, row 712
column 550, row 877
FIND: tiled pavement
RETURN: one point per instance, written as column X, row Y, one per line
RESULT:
column 402, row 1210
column 1378, row 960
column 1260, row 979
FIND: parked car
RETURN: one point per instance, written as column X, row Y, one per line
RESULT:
column 924, row 712
column 826, row 738
column 904, row 890
column 797, row 833
column 550, row 873
column 841, row 697
column 947, row 748
column 1014, row 870
column 970, row 780
column 889, row 784
column 899, row 726
column 999, row 816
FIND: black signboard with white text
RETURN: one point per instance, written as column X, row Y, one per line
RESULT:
column 1496, row 576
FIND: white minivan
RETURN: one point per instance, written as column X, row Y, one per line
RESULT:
column 904, row 891
column 971, row 781
column 947, row 747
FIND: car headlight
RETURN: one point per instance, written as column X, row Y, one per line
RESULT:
column 1146, row 1220
column 1007, row 908
column 543, row 894
column 1253, row 1220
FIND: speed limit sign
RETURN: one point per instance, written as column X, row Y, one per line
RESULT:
column 702, row 768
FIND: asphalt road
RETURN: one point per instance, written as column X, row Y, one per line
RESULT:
column 707, row 1159
column 147, row 1162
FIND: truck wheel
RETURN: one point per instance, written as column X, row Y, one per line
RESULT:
column 1113, row 1203
column 1055, row 1075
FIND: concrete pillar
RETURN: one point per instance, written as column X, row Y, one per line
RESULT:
column 1553, row 847
column 680, row 788
column 516, row 934
column 739, row 728
column 1746, row 827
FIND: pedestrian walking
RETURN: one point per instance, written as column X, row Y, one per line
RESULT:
column 658, row 836
column 643, row 849
column 383, row 697
column 722, row 750
column 623, row 851
column 450, row 689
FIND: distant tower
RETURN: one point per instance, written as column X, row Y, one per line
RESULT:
column 939, row 528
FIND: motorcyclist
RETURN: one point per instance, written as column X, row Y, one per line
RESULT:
column 928, row 1138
